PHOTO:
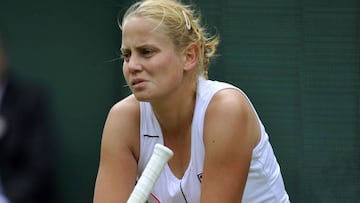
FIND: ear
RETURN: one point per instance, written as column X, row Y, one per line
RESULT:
column 191, row 55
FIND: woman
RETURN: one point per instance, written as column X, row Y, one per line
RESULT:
column 221, row 150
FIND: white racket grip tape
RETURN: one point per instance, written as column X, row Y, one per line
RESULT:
column 160, row 156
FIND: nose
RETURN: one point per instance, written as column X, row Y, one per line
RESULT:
column 134, row 64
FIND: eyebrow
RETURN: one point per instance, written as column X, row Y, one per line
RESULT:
column 139, row 47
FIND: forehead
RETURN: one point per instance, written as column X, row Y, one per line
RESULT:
column 141, row 30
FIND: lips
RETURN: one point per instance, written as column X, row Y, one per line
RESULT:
column 138, row 83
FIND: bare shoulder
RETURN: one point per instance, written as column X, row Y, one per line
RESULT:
column 122, row 125
column 229, row 102
column 231, row 131
column 230, row 110
column 232, row 97
column 128, row 105
column 124, row 114
column 119, row 152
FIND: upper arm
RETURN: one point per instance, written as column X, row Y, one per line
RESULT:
column 231, row 131
column 118, row 163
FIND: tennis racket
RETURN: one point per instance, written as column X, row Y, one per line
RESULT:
column 151, row 173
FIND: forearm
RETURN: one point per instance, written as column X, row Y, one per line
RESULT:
column 110, row 188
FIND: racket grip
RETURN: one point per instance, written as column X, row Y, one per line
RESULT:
column 151, row 173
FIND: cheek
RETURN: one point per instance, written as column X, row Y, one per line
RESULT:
column 125, row 71
column 174, row 71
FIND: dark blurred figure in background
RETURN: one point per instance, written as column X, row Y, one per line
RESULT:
column 27, row 170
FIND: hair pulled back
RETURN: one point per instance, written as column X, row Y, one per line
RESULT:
column 181, row 23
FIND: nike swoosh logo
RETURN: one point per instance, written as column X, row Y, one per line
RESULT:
column 151, row 136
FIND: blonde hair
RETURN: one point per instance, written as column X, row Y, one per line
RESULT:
column 181, row 23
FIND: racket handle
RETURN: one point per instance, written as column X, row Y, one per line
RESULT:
column 151, row 173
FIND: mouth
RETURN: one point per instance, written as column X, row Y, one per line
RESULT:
column 137, row 82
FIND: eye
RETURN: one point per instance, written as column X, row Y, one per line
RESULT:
column 146, row 52
column 125, row 55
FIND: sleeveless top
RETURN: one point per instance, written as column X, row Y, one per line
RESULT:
column 264, row 182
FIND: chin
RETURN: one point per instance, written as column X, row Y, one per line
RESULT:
column 141, row 97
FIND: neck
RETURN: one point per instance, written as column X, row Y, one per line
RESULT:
column 176, row 112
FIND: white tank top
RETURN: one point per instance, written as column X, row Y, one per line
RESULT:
column 264, row 183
